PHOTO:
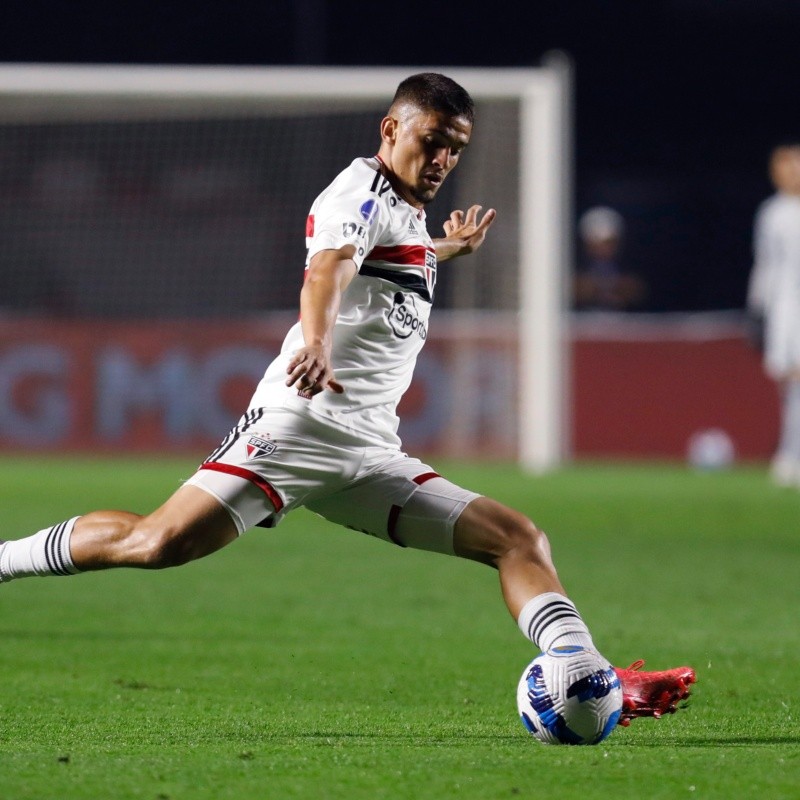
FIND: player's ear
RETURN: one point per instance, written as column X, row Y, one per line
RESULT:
column 389, row 126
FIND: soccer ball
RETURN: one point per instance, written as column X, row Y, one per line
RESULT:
column 569, row 695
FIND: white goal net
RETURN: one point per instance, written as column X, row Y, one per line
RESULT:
column 156, row 194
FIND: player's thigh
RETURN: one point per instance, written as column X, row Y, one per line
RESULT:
column 409, row 505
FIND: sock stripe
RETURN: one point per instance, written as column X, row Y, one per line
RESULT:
column 52, row 550
column 46, row 552
column 548, row 614
column 48, row 549
column 539, row 630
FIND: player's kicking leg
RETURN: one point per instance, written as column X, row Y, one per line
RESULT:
column 191, row 524
column 489, row 532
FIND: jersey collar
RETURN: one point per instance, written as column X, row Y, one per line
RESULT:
column 384, row 169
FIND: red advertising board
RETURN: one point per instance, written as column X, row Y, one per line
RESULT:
column 127, row 387
column 178, row 387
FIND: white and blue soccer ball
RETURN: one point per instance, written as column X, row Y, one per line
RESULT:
column 569, row 695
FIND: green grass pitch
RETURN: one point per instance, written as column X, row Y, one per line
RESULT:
column 314, row 662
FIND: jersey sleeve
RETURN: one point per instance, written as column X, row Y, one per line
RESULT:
column 348, row 213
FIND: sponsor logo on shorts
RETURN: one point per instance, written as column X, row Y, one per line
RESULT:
column 257, row 447
column 404, row 317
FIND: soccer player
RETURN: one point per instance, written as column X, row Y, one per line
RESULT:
column 321, row 428
column 774, row 296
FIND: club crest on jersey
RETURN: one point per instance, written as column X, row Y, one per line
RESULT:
column 257, row 447
column 430, row 270
column 369, row 211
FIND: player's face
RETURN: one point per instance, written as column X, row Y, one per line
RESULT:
column 420, row 148
column 785, row 170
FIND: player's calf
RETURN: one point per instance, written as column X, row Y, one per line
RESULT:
column 153, row 544
column 190, row 525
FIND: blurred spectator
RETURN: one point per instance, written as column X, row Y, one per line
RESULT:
column 774, row 297
column 601, row 282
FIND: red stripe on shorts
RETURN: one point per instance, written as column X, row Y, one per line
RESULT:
column 256, row 480
column 426, row 476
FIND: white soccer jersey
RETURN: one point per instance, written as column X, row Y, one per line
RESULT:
column 383, row 317
column 774, row 289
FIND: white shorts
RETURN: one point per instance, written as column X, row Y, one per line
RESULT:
column 782, row 339
column 276, row 460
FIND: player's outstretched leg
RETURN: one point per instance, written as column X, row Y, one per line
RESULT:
column 494, row 534
column 491, row 533
column 191, row 524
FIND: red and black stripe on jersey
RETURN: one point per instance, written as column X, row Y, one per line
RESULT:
column 405, row 255
column 405, row 280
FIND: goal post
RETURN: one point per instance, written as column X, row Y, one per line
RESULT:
column 524, row 163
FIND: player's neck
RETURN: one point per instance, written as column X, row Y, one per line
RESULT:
column 397, row 184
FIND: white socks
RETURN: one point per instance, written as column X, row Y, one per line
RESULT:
column 44, row 553
column 550, row 620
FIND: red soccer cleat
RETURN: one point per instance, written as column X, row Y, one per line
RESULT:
column 652, row 694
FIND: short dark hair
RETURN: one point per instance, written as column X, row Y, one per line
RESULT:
column 786, row 144
column 435, row 92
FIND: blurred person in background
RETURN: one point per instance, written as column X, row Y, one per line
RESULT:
column 601, row 282
column 774, row 298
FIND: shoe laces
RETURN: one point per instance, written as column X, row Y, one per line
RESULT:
column 637, row 665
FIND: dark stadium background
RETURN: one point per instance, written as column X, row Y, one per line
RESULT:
column 677, row 101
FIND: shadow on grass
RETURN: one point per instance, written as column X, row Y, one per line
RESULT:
column 367, row 737
column 717, row 741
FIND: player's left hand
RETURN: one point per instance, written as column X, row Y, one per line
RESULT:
column 464, row 232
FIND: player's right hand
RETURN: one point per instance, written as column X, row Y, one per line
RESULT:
column 310, row 372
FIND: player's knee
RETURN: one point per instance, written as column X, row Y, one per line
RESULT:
column 525, row 541
column 503, row 535
column 515, row 537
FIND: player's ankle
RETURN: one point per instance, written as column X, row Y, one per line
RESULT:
column 551, row 620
